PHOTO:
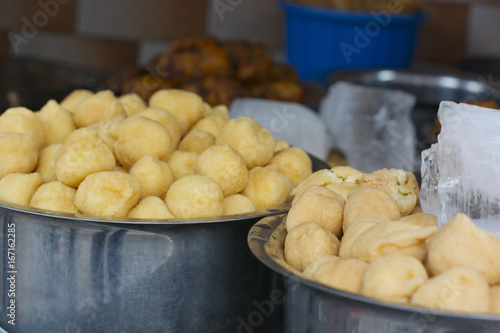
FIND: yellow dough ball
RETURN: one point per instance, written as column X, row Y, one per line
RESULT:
column 151, row 208
column 167, row 119
column 267, row 188
column 495, row 300
column 251, row 140
column 70, row 102
column 195, row 196
column 421, row 219
column 293, row 163
column 224, row 165
column 218, row 110
column 106, row 128
column 280, row 145
column 18, row 188
column 237, row 204
column 108, row 193
column 56, row 121
column 139, row 136
column 356, row 229
column 345, row 274
column 307, row 242
column 18, row 153
column 47, row 159
column 182, row 163
column 98, row 107
column 187, row 107
column 212, row 124
column 154, row 176
column 55, row 196
column 82, row 154
column 132, row 103
column 324, row 262
column 24, row 121
column 197, row 141
column 393, row 278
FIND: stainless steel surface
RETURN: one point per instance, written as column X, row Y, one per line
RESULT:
column 312, row 307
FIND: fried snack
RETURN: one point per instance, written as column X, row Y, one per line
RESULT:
column 70, row 102
column 267, row 188
column 218, row 110
column 368, row 201
column 293, row 163
column 197, row 141
column 280, row 145
column 250, row 139
column 182, row 163
column 211, row 123
column 358, row 227
column 401, row 185
column 150, row 208
column 461, row 288
column 18, row 188
column 421, row 219
column 345, row 274
column 224, row 165
column 326, row 261
column 461, row 243
column 82, row 154
column 23, row 121
column 195, row 196
column 55, row 196
column 187, row 107
column 132, row 103
column 106, row 128
column 393, row 278
column 237, row 204
column 18, row 153
column 56, row 121
column 307, row 242
column 318, row 204
column 134, row 136
column 391, row 237
column 155, row 176
column 167, row 119
column 495, row 300
column 108, row 193
column 46, row 166
column 101, row 106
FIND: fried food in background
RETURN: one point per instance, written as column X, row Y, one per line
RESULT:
column 402, row 6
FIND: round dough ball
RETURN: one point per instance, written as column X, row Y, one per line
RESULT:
column 267, row 188
column 56, row 121
column 55, row 196
column 495, row 300
column 461, row 289
column 369, row 201
column 186, row 106
column 218, row 110
column 421, row 219
column 251, row 140
column 307, row 242
column 154, row 176
column 393, row 278
column 82, row 154
column 195, row 196
column 293, row 163
column 139, row 136
column 98, row 107
column 461, row 243
column 224, row 165
column 324, row 261
column 46, row 166
column 182, row 163
column 18, row 188
column 132, row 103
column 106, row 128
column 237, row 204
column 167, row 119
column 318, row 204
column 150, row 208
column 108, row 193
column 358, row 227
column 345, row 274
column 24, row 121
column 18, row 153
column 280, row 145
column 197, row 141
column 70, row 102
column 212, row 124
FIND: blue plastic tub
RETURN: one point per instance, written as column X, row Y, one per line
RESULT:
column 320, row 41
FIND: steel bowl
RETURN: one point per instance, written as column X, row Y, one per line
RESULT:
column 312, row 307
column 87, row 274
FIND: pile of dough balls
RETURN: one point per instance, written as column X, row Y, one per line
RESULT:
column 366, row 234
column 102, row 155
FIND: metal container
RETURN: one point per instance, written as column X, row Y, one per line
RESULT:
column 83, row 274
column 312, row 307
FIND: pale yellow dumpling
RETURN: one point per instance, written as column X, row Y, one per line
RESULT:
column 106, row 128
column 251, row 140
column 293, row 163
column 280, row 145
column 197, row 141
column 195, row 196
column 182, row 163
column 224, row 165
column 98, row 107
column 237, row 204
column 324, row 261
column 18, row 153
column 154, row 176
column 358, row 227
column 24, row 121
column 70, row 102
column 267, row 188
column 150, row 208
column 47, row 159
column 307, row 242
column 345, row 274
column 421, row 219
column 167, row 119
column 212, row 124
column 55, row 196
column 132, row 103
column 18, row 188
column 108, row 193
column 218, row 110
column 495, row 300
column 56, row 121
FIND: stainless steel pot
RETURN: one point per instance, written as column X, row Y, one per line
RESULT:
column 312, row 307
